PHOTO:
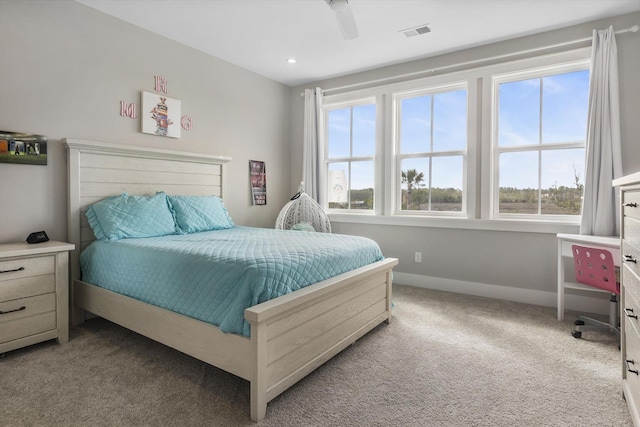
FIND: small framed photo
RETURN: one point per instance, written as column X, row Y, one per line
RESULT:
column 258, row 178
column 23, row 148
column 160, row 115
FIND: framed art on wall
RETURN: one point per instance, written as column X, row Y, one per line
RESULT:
column 160, row 115
column 23, row 148
column 258, row 177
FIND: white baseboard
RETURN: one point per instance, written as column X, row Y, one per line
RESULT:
column 585, row 304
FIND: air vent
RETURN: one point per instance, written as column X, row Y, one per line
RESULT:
column 416, row 31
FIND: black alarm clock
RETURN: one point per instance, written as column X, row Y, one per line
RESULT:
column 38, row 237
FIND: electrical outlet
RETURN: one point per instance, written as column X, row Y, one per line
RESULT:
column 418, row 257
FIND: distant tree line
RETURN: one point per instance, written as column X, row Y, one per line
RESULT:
column 557, row 199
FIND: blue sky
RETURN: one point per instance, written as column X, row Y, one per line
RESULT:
column 561, row 118
column 522, row 120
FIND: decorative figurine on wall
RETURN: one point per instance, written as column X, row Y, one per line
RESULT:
column 160, row 113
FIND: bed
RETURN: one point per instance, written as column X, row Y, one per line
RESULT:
column 290, row 335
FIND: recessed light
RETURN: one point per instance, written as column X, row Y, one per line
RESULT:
column 291, row 60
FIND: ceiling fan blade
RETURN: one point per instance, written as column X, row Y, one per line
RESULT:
column 344, row 16
column 347, row 23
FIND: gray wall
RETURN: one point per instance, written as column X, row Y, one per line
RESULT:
column 65, row 69
column 519, row 261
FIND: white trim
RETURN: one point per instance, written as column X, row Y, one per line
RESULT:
column 460, row 223
column 580, row 303
column 379, row 164
column 85, row 145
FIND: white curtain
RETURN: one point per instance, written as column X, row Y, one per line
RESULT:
column 311, row 170
column 604, row 158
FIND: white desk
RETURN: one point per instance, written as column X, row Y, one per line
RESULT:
column 564, row 250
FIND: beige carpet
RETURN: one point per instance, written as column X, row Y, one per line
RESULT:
column 445, row 360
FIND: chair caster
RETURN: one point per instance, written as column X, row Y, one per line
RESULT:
column 579, row 322
column 576, row 334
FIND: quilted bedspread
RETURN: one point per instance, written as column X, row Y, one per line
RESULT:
column 213, row 276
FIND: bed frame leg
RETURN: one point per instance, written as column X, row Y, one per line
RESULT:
column 389, row 284
column 259, row 380
column 77, row 316
column 258, row 402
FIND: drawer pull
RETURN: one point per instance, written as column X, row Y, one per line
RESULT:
column 634, row 371
column 630, row 258
column 631, row 205
column 11, row 311
column 11, row 271
column 629, row 313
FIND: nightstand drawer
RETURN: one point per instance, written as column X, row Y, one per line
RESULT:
column 26, row 267
column 27, row 287
column 27, row 316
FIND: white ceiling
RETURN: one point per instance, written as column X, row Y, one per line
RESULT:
column 260, row 35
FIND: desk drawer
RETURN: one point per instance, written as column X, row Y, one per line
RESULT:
column 38, row 315
column 631, row 204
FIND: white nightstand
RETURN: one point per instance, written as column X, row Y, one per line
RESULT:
column 34, row 293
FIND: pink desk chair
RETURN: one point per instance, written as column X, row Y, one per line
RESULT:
column 595, row 267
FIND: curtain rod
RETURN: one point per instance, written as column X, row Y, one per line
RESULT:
column 633, row 29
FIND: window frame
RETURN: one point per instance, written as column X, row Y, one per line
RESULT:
column 433, row 90
column 478, row 179
column 578, row 60
column 326, row 160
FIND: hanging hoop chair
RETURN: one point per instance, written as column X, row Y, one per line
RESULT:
column 301, row 212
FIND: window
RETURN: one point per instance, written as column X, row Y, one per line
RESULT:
column 499, row 147
column 350, row 155
column 431, row 148
column 540, row 125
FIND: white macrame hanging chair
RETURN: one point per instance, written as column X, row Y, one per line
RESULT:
column 303, row 210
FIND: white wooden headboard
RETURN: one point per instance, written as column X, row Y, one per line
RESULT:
column 96, row 170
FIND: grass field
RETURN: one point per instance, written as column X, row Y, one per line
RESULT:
column 23, row 159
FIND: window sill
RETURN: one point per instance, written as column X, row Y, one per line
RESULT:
column 523, row 226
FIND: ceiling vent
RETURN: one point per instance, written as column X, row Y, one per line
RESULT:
column 416, row 31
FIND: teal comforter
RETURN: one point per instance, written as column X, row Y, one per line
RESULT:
column 213, row 276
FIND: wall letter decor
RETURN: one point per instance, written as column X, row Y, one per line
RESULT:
column 161, row 84
column 128, row 110
column 186, row 123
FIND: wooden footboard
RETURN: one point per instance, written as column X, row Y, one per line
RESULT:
column 294, row 334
